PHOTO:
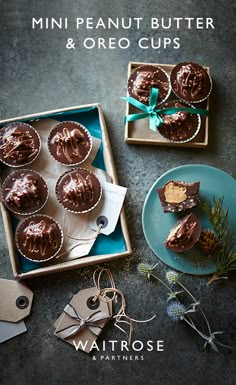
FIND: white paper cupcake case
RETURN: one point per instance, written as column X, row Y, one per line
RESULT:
column 197, row 129
column 36, row 155
column 74, row 211
column 19, row 227
column 89, row 137
column 20, row 212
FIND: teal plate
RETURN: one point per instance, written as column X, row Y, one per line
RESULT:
column 157, row 224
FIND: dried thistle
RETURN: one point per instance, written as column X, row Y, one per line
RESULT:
column 172, row 277
column 146, row 270
column 177, row 311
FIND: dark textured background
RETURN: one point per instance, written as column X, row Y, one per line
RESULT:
column 38, row 74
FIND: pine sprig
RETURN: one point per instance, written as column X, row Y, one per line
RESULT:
column 225, row 251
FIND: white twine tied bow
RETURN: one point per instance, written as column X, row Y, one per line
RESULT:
column 121, row 317
column 89, row 322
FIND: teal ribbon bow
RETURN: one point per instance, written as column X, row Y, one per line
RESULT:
column 155, row 119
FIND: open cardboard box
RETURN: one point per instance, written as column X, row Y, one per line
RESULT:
column 138, row 131
column 95, row 111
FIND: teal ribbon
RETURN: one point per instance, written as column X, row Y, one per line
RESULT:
column 155, row 119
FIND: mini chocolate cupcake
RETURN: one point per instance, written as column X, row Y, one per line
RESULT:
column 178, row 196
column 78, row 190
column 70, row 143
column 182, row 126
column 184, row 234
column 24, row 192
column 146, row 77
column 19, row 144
column 190, row 82
column 39, row 238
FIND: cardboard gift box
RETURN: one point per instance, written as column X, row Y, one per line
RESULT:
column 105, row 248
column 138, row 132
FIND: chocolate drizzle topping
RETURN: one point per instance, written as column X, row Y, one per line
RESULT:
column 24, row 192
column 18, row 145
column 182, row 234
column 69, row 143
column 39, row 236
column 78, row 191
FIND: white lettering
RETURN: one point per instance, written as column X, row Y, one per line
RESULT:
column 209, row 22
column 189, row 19
column 168, row 26
column 100, row 23
column 199, row 23
column 94, row 346
column 140, row 43
column 79, row 21
column 124, row 345
column 138, row 19
column 113, row 23
column 101, row 43
column 113, row 342
column 167, row 41
column 80, row 345
column 87, row 43
column 140, row 345
column 37, row 22
column 150, row 346
column 177, row 19
column 126, row 41
column 160, row 346
column 176, row 43
column 154, row 23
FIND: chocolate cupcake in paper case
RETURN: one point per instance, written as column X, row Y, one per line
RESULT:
column 178, row 196
column 70, row 143
column 24, row 192
column 19, row 144
column 190, row 82
column 78, row 190
column 184, row 234
column 39, row 238
column 180, row 127
column 146, row 77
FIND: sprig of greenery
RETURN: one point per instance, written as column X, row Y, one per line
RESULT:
column 177, row 311
column 225, row 251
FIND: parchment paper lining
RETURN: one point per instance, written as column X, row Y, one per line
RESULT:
column 76, row 225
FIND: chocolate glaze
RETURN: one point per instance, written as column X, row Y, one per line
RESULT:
column 181, row 126
column 24, row 192
column 184, row 234
column 78, row 190
column 178, row 196
column 19, row 144
column 69, row 143
column 190, row 82
column 39, row 238
column 144, row 78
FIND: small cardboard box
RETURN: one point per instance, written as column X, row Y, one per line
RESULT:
column 69, row 113
column 138, row 131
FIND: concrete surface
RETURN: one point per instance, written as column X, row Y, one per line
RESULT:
column 38, row 73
